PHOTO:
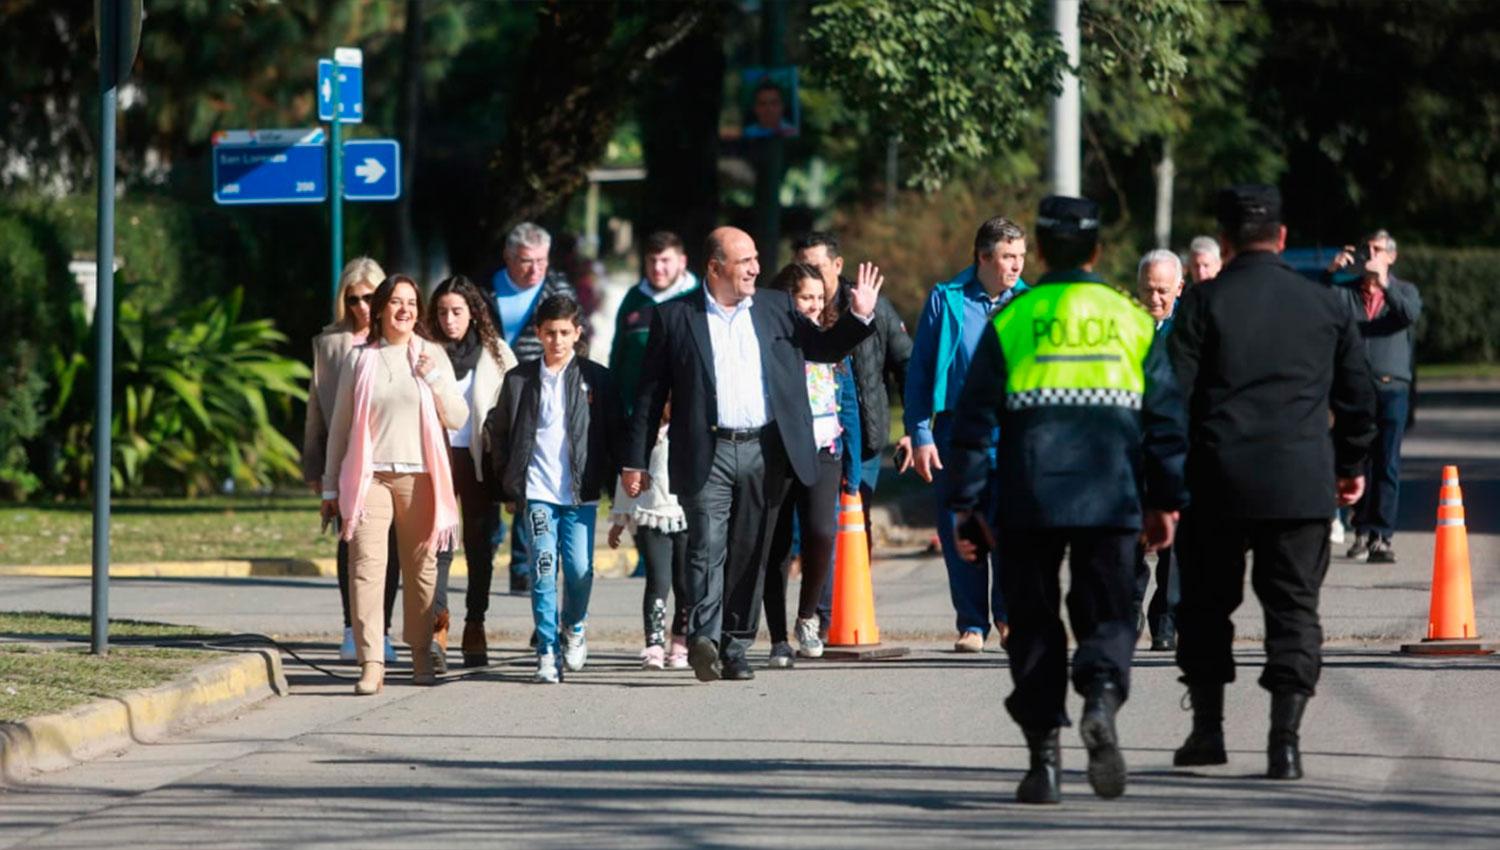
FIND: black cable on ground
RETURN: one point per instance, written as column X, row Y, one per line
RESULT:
column 246, row 640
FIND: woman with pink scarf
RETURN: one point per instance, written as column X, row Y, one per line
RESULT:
column 350, row 328
column 388, row 465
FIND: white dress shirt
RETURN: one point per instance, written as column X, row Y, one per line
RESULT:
column 740, row 384
column 549, row 476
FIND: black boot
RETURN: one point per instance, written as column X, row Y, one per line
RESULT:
column 1097, row 728
column 1043, row 782
column 1283, row 756
column 1205, row 744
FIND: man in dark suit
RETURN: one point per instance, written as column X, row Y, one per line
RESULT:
column 1264, row 356
column 733, row 362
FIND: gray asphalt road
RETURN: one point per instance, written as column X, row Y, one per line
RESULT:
column 1400, row 751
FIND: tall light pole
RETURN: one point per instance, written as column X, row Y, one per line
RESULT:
column 1066, row 109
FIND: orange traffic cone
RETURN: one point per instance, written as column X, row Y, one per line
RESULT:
column 1450, row 621
column 853, row 632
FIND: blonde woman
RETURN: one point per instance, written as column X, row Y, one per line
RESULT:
column 461, row 322
column 350, row 328
column 388, row 466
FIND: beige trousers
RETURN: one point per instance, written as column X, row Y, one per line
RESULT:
column 407, row 500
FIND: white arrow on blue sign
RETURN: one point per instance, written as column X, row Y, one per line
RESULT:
column 372, row 170
column 270, row 167
column 351, row 105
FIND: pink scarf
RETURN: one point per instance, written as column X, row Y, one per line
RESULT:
column 358, row 468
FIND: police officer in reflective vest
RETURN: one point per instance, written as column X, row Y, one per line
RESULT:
column 1092, row 439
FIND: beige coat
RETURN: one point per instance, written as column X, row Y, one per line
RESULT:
column 330, row 349
column 483, row 393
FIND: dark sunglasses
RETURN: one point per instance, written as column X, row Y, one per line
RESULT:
column 351, row 300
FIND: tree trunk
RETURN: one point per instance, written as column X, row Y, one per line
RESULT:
column 570, row 98
column 679, row 117
column 1166, row 176
column 405, row 253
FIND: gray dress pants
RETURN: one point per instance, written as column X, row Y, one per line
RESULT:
column 730, row 522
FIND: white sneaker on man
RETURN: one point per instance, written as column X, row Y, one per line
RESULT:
column 546, row 670
column 781, row 655
column 575, row 649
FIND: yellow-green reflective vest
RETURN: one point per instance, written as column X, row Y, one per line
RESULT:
column 1074, row 344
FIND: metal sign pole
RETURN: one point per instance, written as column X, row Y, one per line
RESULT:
column 336, row 190
column 104, row 319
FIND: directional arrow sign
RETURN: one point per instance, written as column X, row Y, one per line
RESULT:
column 270, row 167
column 372, row 170
column 351, row 105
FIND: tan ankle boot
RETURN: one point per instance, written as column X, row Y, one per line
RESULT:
column 421, row 666
column 440, row 642
column 476, row 651
column 371, row 678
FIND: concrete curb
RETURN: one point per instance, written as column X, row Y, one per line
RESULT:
column 608, row 563
column 56, row 741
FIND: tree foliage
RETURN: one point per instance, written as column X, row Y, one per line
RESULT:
column 954, row 78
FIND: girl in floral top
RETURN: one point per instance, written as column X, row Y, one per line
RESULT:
column 831, row 393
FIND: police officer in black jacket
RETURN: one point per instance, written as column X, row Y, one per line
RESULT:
column 1263, row 355
column 1093, row 435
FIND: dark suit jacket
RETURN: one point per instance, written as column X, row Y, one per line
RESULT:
column 1264, row 354
column 679, row 361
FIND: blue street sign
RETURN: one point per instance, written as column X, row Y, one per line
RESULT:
column 270, row 167
column 372, row 170
column 351, row 105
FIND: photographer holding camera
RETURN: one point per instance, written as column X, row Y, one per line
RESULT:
column 1386, row 308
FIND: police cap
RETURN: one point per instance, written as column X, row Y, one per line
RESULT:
column 1248, row 205
column 1063, row 216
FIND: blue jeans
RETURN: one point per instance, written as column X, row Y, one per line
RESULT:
column 1376, row 513
column 560, row 535
column 978, row 599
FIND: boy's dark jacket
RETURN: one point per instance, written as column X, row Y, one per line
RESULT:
column 595, row 422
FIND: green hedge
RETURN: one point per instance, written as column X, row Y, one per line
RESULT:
column 1460, row 302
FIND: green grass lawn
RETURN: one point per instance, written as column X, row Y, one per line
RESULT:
column 148, row 530
column 1469, row 371
column 40, row 679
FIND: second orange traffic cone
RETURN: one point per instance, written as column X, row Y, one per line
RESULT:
column 1450, row 619
column 853, row 632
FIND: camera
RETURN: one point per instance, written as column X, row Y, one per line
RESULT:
column 1360, row 257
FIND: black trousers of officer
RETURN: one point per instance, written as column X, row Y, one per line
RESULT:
column 1101, row 563
column 1290, row 561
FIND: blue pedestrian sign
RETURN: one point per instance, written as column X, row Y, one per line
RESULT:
column 351, row 87
column 270, row 167
column 372, row 170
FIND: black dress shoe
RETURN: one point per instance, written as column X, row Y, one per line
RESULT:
column 1043, row 782
column 738, row 670
column 703, row 655
column 1164, row 643
column 1106, row 769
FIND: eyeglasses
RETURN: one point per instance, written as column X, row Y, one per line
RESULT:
column 352, row 300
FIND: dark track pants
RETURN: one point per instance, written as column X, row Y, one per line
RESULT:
column 1101, row 562
column 1290, row 561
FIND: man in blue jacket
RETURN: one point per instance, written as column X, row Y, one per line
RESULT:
column 954, row 319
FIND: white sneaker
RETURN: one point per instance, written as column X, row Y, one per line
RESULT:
column 347, row 652
column 546, row 670
column 782, row 655
column 575, row 649
column 1336, row 531
column 390, row 651
column 809, row 645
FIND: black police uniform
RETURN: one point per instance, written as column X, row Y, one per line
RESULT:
column 1263, row 355
column 1090, row 428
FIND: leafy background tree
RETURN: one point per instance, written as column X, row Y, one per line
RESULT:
column 1366, row 112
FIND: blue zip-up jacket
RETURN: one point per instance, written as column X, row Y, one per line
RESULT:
column 952, row 323
column 852, row 438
